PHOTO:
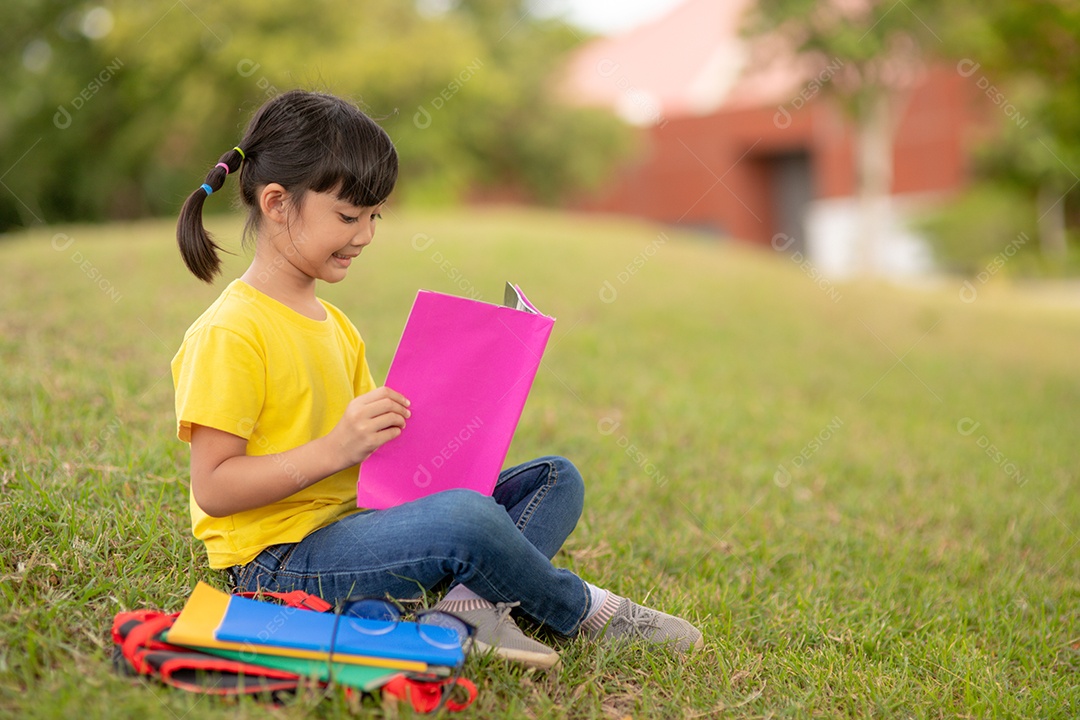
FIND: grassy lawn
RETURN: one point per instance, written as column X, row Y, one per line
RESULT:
column 864, row 494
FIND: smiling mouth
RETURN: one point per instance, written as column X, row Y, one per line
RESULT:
column 343, row 256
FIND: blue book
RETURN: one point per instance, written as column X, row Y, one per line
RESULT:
column 268, row 625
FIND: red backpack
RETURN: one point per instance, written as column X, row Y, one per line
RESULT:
column 140, row 651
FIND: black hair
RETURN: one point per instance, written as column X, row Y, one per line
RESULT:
column 303, row 141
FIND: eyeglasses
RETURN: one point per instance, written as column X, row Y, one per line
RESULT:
column 379, row 616
column 376, row 616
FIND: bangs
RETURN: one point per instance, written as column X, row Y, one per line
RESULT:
column 361, row 163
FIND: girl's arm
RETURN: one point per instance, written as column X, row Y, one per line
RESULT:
column 226, row 480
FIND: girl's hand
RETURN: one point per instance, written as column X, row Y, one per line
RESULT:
column 370, row 421
column 226, row 480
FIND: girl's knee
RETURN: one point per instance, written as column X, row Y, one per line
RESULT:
column 467, row 512
column 569, row 481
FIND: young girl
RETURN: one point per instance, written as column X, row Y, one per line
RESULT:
column 274, row 394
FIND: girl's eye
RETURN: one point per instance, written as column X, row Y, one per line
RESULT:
column 348, row 218
column 376, row 216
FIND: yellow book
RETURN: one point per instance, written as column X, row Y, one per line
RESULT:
column 202, row 614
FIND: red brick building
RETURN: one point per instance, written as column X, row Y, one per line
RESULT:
column 752, row 148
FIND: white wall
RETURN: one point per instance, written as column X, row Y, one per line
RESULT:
column 833, row 233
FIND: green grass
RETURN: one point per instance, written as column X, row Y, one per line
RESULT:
column 778, row 461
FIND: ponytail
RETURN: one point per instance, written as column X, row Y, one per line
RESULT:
column 306, row 142
column 197, row 246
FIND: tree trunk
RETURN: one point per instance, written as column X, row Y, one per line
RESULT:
column 1051, row 221
column 875, row 170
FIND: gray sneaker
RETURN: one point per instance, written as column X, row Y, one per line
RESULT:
column 496, row 631
column 637, row 622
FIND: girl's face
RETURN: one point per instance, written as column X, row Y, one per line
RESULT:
column 322, row 237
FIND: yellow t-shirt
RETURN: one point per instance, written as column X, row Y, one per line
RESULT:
column 255, row 368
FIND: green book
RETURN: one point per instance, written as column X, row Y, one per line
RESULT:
column 357, row 676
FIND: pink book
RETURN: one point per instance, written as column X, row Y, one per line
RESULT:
column 467, row 367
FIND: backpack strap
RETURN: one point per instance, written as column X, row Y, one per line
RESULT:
column 424, row 695
column 141, row 638
column 138, row 639
column 199, row 672
column 293, row 598
column 125, row 622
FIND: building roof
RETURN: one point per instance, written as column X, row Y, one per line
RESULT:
column 690, row 62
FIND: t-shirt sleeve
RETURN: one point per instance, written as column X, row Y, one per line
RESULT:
column 363, row 382
column 220, row 380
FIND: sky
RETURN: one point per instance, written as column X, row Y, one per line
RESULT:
column 605, row 17
column 611, row 16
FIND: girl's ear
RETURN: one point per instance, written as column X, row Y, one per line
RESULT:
column 273, row 203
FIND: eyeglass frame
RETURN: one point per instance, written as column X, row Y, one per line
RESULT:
column 449, row 685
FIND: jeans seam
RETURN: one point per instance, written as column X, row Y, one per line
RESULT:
column 258, row 568
column 287, row 556
column 538, row 496
column 576, row 625
column 242, row 575
column 282, row 571
column 588, row 602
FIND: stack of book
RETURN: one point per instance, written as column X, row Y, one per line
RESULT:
column 299, row 641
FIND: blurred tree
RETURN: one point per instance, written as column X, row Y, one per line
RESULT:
column 114, row 110
column 973, row 228
column 881, row 48
column 46, row 56
column 1030, row 49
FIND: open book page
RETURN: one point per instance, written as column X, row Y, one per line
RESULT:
column 514, row 298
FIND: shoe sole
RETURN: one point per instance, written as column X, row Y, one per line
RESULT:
column 546, row 661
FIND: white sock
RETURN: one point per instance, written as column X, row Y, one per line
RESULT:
column 597, row 598
column 461, row 599
column 460, row 592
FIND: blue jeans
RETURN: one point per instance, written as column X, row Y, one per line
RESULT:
column 500, row 547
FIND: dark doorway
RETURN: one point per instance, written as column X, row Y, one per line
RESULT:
column 792, row 189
